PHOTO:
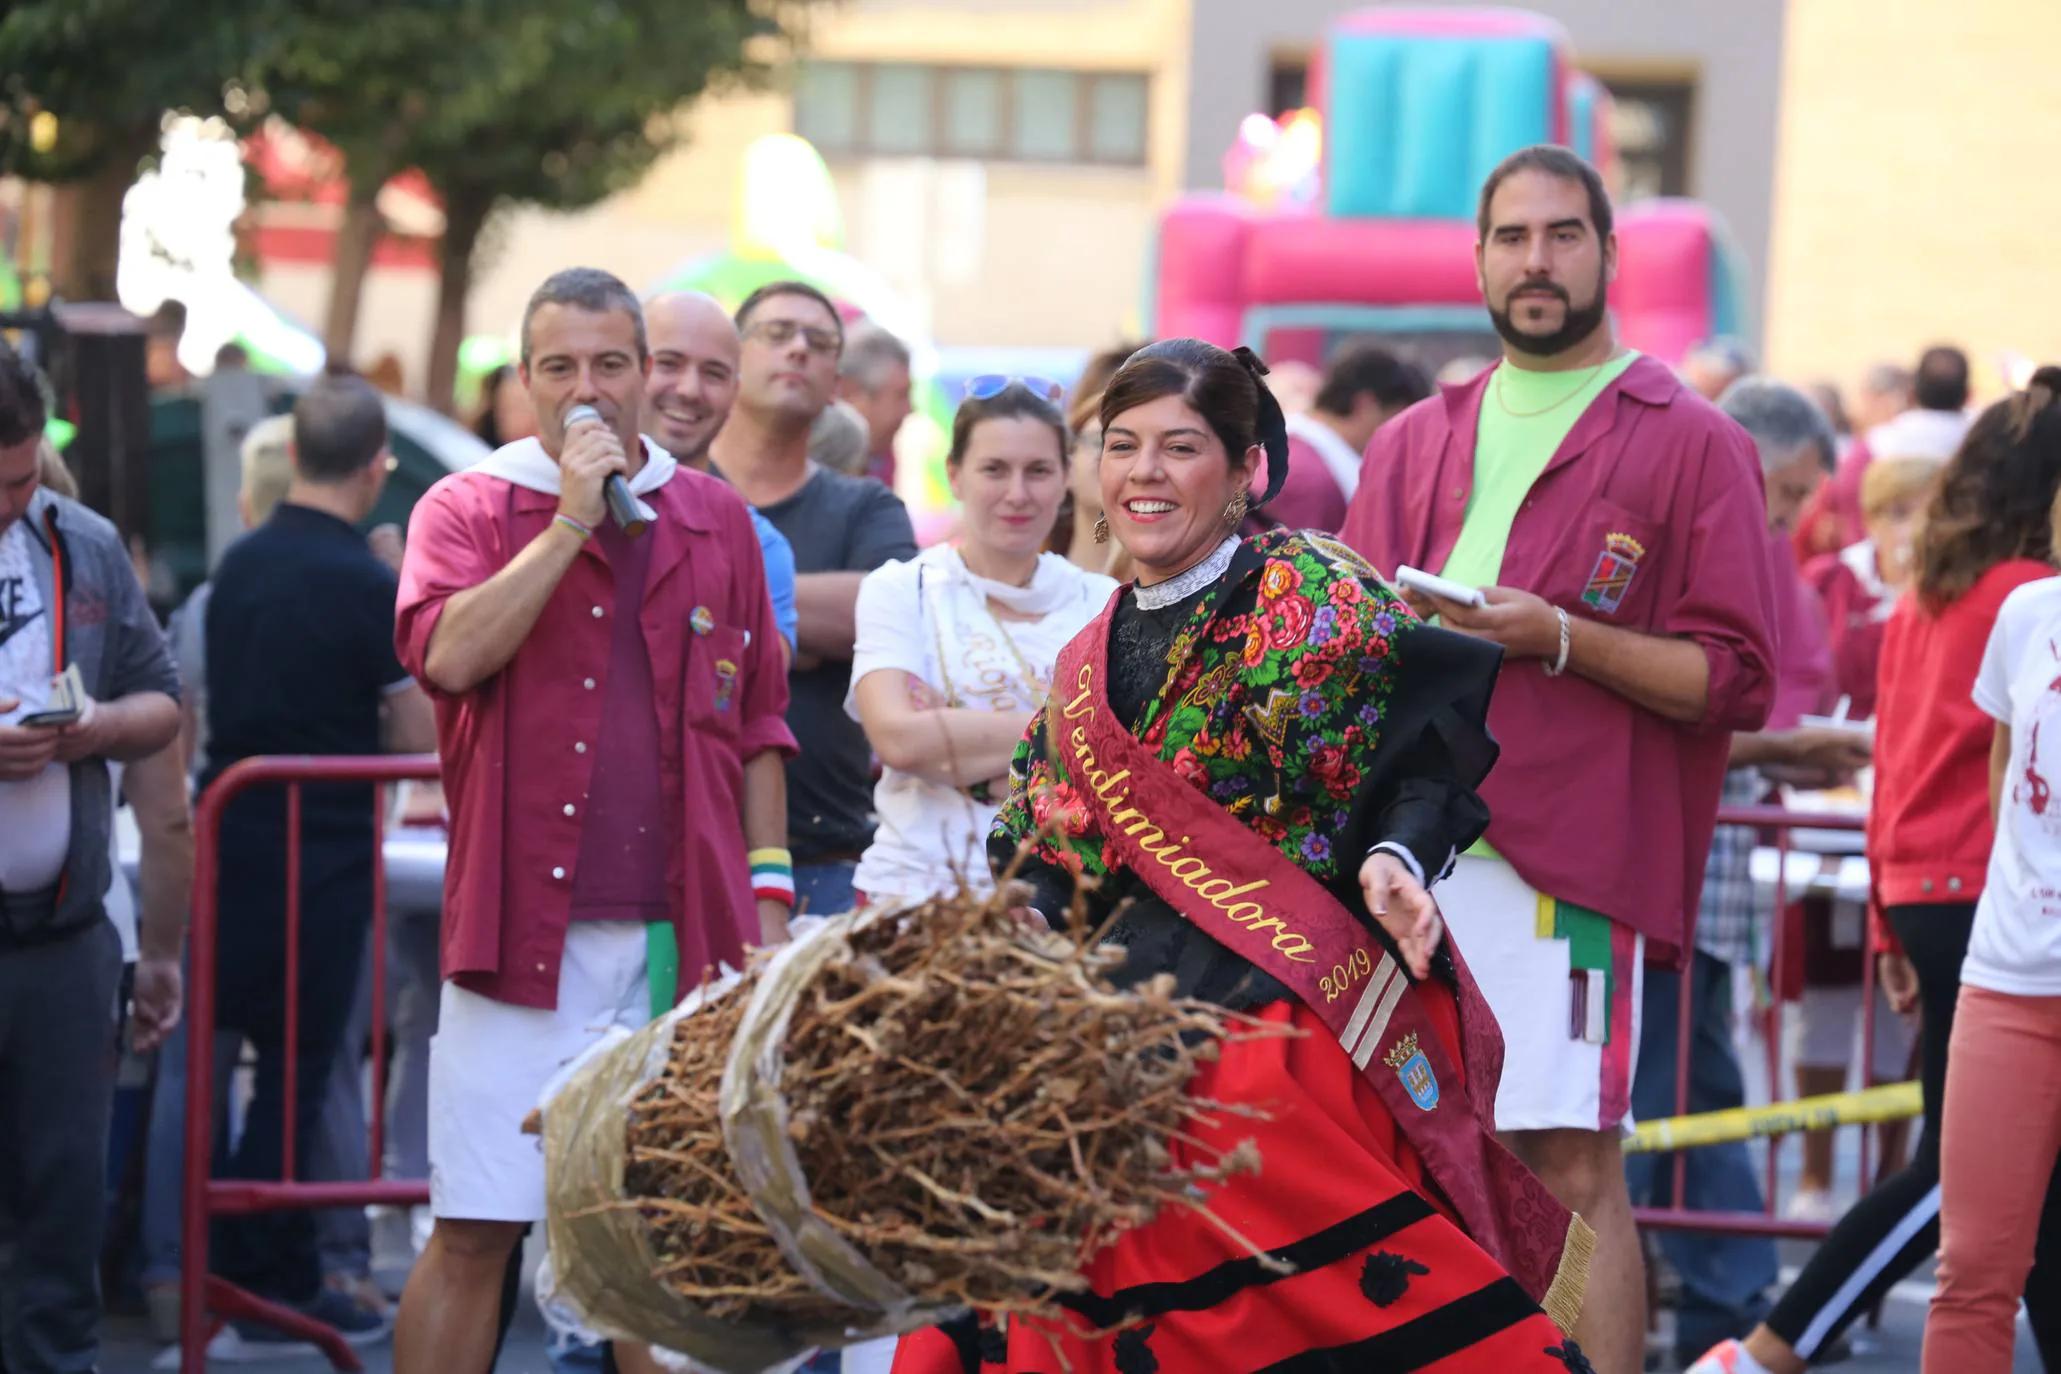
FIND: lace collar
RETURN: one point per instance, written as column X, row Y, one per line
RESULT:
column 1160, row 595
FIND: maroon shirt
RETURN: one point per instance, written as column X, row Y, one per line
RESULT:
column 1856, row 614
column 718, row 689
column 621, row 874
column 1598, row 801
column 1309, row 498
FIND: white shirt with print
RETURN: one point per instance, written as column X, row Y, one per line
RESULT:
column 35, row 815
column 2016, row 946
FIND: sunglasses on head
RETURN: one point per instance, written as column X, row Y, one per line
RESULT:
column 989, row 385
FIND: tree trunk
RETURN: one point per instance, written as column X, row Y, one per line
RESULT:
column 356, row 237
column 86, row 224
column 465, row 215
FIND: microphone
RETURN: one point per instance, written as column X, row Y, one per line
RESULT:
column 631, row 516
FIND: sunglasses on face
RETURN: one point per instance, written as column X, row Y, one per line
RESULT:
column 991, row 384
column 780, row 333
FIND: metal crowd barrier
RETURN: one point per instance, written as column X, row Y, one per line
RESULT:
column 1775, row 1121
column 205, row 1301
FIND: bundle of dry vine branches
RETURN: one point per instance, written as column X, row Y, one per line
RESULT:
column 908, row 1114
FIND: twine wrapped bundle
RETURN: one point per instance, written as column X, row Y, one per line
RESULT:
column 891, row 1119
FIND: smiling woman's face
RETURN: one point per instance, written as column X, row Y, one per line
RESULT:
column 1165, row 481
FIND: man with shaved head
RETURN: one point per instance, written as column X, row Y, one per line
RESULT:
column 687, row 398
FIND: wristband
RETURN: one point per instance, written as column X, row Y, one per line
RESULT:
column 585, row 532
column 772, row 875
column 1559, row 665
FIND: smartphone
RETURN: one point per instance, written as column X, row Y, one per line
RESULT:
column 45, row 718
column 1418, row 580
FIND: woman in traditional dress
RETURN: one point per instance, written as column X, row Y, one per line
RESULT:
column 1263, row 760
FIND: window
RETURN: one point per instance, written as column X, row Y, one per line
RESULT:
column 1650, row 124
column 1019, row 114
column 1288, row 85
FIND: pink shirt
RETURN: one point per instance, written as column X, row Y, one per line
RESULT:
column 719, row 689
column 1598, row 801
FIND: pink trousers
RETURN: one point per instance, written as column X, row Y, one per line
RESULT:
column 2002, row 1140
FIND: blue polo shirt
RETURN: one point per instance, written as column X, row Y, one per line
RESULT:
column 300, row 654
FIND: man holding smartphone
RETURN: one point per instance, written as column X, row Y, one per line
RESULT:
column 1613, row 522
column 71, row 611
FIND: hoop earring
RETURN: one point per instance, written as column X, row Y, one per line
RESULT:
column 1235, row 508
column 1102, row 529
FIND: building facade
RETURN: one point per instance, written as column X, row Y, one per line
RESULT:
column 1002, row 162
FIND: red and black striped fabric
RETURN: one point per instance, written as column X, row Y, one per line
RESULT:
column 1381, row 1278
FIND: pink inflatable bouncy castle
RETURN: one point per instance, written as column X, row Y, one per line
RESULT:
column 1412, row 109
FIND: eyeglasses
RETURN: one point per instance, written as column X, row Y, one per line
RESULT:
column 780, row 333
column 989, row 385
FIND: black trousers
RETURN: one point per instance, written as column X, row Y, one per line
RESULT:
column 59, row 1017
column 274, row 1254
column 1895, row 1228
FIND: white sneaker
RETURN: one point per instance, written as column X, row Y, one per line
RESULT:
column 1810, row 1204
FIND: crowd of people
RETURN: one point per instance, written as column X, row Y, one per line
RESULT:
column 1456, row 837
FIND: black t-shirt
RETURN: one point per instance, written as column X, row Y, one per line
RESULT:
column 836, row 524
column 300, row 654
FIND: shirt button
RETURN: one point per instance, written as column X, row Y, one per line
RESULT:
column 597, row 613
column 588, row 684
column 568, row 808
column 558, row 873
column 1953, row 884
column 540, row 968
column 1925, row 886
column 580, row 748
column 1459, row 495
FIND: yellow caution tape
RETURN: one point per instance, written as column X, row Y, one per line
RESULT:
column 1890, row 1102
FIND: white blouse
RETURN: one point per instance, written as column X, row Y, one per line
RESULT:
column 929, row 617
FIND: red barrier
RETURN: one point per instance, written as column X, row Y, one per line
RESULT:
column 1765, row 1223
column 206, row 1302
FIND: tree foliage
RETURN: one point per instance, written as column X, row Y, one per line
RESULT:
column 551, row 102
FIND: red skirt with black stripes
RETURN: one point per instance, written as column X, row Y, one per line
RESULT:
column 1383, row 1277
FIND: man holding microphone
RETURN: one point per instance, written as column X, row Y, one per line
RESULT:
column 619, row 671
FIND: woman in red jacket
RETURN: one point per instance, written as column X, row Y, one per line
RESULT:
column 1987, row 531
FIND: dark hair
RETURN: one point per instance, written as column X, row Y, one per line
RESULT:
column 1554, row 161
column 1012, row 402
column 1368, row 369
column 1941, row 382
column 1223, row 388
column 1995, row 498
column 589, row 289
column 339, row 428
column 788, row 288
column 24, row 400
column 488, row 425
column 1094, row 378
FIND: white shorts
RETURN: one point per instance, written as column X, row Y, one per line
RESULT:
column 489, row 1063
column 1824, row 1032
column 1523, row 951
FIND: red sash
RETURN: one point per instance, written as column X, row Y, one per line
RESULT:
column 1246, row 895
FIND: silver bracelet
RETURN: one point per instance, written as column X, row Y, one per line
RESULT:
column 1559, row 665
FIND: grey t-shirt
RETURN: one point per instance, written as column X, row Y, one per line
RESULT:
column 836, row 524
